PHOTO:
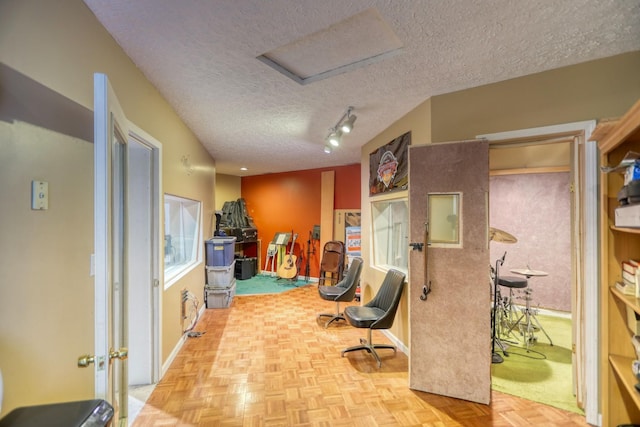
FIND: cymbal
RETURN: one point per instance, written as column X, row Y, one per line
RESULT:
column 498, row 235
column 528, row 272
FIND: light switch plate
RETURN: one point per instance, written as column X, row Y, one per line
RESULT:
column 39, row 195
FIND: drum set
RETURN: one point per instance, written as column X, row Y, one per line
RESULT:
column 506, row 317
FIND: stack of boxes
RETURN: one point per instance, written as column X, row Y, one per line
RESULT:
column 627, row 214
column 220, row 287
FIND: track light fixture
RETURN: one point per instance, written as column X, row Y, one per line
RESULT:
column 335, row 137
column 344, row 125
column 348, row 124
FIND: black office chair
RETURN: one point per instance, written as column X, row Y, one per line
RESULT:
column 379, row 313
column 343, row 291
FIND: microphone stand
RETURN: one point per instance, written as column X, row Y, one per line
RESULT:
column 495, row 357
column 308, row 267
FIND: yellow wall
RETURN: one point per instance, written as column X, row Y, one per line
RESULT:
column 418, row 121
column 49, row 52
column 46, row 293
column 598, row 89
column 592, row 90
column 228, row 189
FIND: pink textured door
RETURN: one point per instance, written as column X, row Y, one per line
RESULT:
column 450, row 335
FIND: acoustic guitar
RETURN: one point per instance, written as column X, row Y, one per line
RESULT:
column 289, row 269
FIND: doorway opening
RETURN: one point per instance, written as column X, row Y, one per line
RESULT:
column 144, row 269
column 552, row 168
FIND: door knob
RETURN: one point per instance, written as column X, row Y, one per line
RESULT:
column 86, row 360
column 121, row 354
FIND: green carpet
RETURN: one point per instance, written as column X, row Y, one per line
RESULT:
column 544, row 374
column 266, row 284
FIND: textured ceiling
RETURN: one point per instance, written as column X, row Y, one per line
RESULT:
column 203, row 57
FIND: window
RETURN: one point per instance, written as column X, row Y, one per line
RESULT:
column 182, row 237
column 444, row 219
column 391, row 233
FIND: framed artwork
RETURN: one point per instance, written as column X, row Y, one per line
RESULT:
column 389, row 166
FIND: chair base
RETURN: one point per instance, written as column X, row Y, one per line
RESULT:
column 370, row 347
column 334, row 317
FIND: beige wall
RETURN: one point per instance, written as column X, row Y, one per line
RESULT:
column 46, row 293
column 593, row 90
column 418, row 121
column 228, row 188
column 49, row 52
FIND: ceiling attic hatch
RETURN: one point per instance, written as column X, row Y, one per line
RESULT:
column 362, row 39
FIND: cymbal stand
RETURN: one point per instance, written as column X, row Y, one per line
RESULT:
column 506, row 317
column 528, row 327
column 495, row 357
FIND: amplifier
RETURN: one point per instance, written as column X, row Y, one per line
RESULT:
column 249, row 234
column 245, row 234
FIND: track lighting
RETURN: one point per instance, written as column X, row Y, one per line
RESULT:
column 348, row 124
column 335, row 137
column 344, row 125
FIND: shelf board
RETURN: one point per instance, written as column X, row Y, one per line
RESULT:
column 622, row 367
column 625, row 229
column 629, row 300
column 613, row 134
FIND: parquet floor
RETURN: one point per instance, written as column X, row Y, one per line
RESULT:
column 267, row 361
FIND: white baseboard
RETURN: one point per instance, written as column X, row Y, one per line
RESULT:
column 395, row 341
column 177, row 348
column 172, row 356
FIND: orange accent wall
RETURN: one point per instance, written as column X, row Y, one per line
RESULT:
column 290, row 201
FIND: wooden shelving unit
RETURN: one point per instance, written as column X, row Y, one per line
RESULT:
column 620, row 401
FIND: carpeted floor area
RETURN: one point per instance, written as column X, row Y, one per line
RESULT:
column 267, row 284
column 544, row 373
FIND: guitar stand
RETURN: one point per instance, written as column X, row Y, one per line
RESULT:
column 310, row 251
column 292, row 282
column 270, row 260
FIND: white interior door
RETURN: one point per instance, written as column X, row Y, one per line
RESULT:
column 110, row 231
column 450, row 326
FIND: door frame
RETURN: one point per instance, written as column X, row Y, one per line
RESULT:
column 104, row 94
column 109, row 320
column 588, row 210
column 153, row 307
